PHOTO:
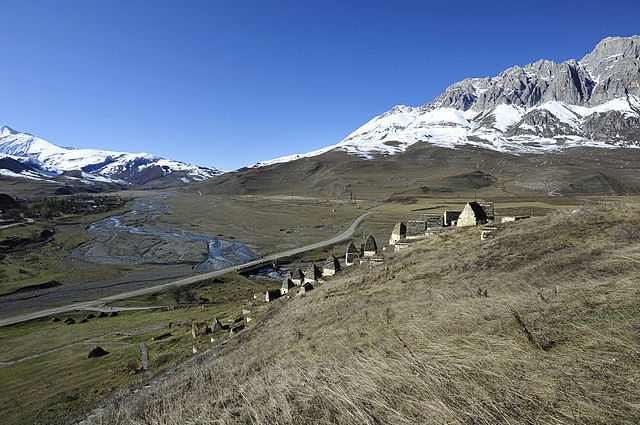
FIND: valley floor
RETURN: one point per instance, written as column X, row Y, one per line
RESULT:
column 151, row 246
column 362, row 347
column 538, row 325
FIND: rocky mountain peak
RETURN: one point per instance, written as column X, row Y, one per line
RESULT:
column 535, row 108
column 610, row 71
column 614, row 66
column 626, row 47
column 7, row 130
column 398, row 109
column 95, row 165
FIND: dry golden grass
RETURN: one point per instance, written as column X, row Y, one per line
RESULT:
column 554, row 339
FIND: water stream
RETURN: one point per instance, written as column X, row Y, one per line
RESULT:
column 108, row 247
column 137, row 238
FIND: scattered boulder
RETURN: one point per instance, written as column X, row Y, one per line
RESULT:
column 113, row 314
column 55, row 319
column 245, row 311
column 69, row 321
column 102, row 314
column 89, row 316
column 97, row 352
column 194, row 350
column 84, row 320
column 199, row 328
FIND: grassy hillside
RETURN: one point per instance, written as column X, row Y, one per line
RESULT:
column 50, row 380
column 51, row 259
column 428, row 170
column 539, row 325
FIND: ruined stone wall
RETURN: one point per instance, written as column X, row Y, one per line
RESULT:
column 394, row 238
column 433, row 220
column 450, row 217
column 467, row 217
column 328, row 272
column 416, row 228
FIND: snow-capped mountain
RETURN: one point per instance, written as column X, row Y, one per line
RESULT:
column 541, row 107
column 44, row 160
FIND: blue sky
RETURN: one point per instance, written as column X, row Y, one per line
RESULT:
column 230, row 83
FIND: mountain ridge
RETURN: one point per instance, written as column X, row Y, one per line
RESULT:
column 46, row 160
column 594, row 102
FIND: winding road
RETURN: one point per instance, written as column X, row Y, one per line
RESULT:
column 99, row 304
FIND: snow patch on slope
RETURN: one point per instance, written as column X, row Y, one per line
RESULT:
column 621, row 105
column 563, row 113
column 289, row 158
column 26, row 175
column 102, row 166
column 506, row 116
column 403, row 126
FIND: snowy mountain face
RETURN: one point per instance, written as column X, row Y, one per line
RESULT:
column 532, row 109
column 43, row 160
